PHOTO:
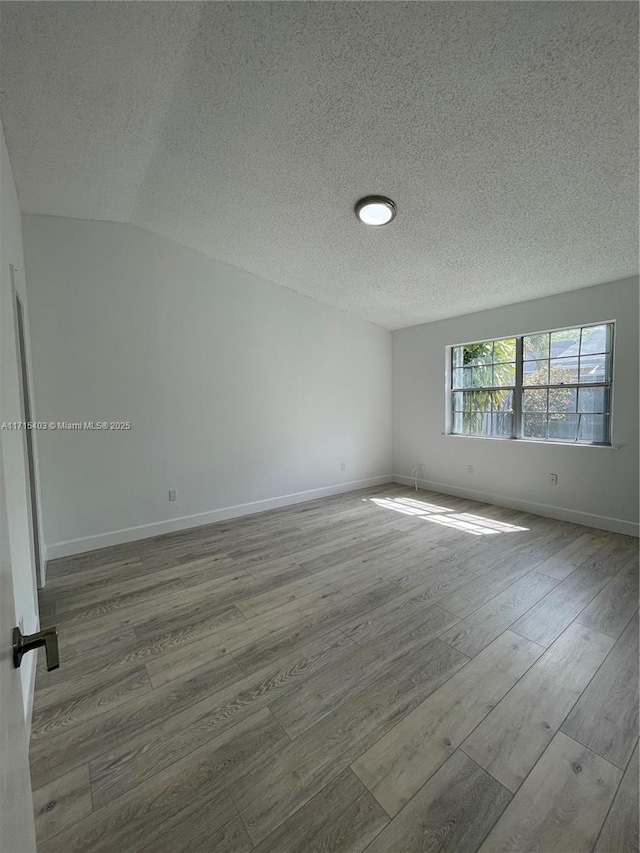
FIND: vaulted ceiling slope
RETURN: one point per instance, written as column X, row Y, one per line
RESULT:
column 506, row 132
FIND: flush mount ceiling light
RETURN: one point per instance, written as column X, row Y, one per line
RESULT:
column 375, row 210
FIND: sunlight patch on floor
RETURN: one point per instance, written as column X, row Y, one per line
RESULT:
column 468, row 522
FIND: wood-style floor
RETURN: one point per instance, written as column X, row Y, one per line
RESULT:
column 385, row 671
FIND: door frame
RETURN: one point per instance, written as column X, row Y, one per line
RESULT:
column 24, row 381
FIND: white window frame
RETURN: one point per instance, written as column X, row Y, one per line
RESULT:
column 519, row 387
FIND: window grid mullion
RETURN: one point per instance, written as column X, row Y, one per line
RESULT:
column 517, row 391
column 569, row 385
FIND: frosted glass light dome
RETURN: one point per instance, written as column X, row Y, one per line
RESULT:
column 375, row 210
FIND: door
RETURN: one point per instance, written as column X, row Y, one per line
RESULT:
column 17, row 833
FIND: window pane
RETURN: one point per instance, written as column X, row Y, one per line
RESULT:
column 478, row 354
column 484, row 401
column 593, row 368
column 470, row 402
column 458, row 398
column 591, row 400
column 502, row 401
column 536, row 346
column 483, row 377
column 563, row 371
column 535, row 373
column 534, row 426
column 593, row 428
column 502, row 423
column 563, row 399
column 504, row 374
column 462, row 377
column 594, row 339
column 535, row 400
column 457, row 356
column 473, row 402
column 565, row 343
column 504, row 350
column 476, row 423
column 563, row 427
column 457, row 425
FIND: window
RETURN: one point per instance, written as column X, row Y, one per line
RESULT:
column 547, row 386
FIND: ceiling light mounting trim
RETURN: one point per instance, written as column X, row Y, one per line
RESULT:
column 376, row 210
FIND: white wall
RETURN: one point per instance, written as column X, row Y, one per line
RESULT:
column 596, row 486
column 12, row 443
column 238, row 390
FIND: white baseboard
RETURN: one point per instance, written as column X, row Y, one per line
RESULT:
column 170, row 525
column 602, row 522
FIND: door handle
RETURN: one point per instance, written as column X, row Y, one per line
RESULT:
column 26, row 642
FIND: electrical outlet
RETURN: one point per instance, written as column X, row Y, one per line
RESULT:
column 343, row 466
column 470, row 470
column 553, row 479
column 172, row 495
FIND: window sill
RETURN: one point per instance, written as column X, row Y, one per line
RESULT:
column 539, row 442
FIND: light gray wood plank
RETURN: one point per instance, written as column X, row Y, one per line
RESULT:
column 480, row 590
column 85, row 593
column 139, row 756
column 87, row 702
column 180, row 604
column 137, row 599
column 262, row 633
column 561, row 806
column 532, row 547
column 62, row 802
column 509, row 741
column 613, row 555
column 319, row 754
column 343, row 816
column 474, row 633
column 620, row 831
column 451, row 813
column 95, row 564
column 546, row 620
column 264, row 650
column 322, row 693
column 374, row 624
column 613, row 607
column 202, row 777
column 160, row 636
column 565, row 561
column 56, row 754
column 46, row 606
column 256, row 605
column 75, row 664
column 135, row 823
column 222, row 593
column 605, row 718
column 398, row 764
column 197, row 831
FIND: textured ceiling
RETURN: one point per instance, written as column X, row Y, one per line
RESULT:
column 506, row 132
